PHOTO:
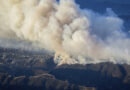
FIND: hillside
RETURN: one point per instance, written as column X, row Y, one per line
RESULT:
column 21, row 68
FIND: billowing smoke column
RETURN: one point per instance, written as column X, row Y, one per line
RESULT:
column 74, row 35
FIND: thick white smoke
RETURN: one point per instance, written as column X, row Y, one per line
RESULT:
column 74, row 35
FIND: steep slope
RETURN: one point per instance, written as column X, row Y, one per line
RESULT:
column 38, row 67
column 21, row 69
column 40, row 82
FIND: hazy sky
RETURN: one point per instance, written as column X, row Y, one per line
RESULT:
column 93, row 37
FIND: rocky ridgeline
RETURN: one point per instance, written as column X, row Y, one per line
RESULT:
column 24, row 69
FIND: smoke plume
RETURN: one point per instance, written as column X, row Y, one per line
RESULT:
column 74, row 35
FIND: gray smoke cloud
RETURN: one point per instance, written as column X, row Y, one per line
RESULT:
column 74, row 35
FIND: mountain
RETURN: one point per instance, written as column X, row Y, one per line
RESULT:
column 39, row 82
column 26, row 70
column 23, row 70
